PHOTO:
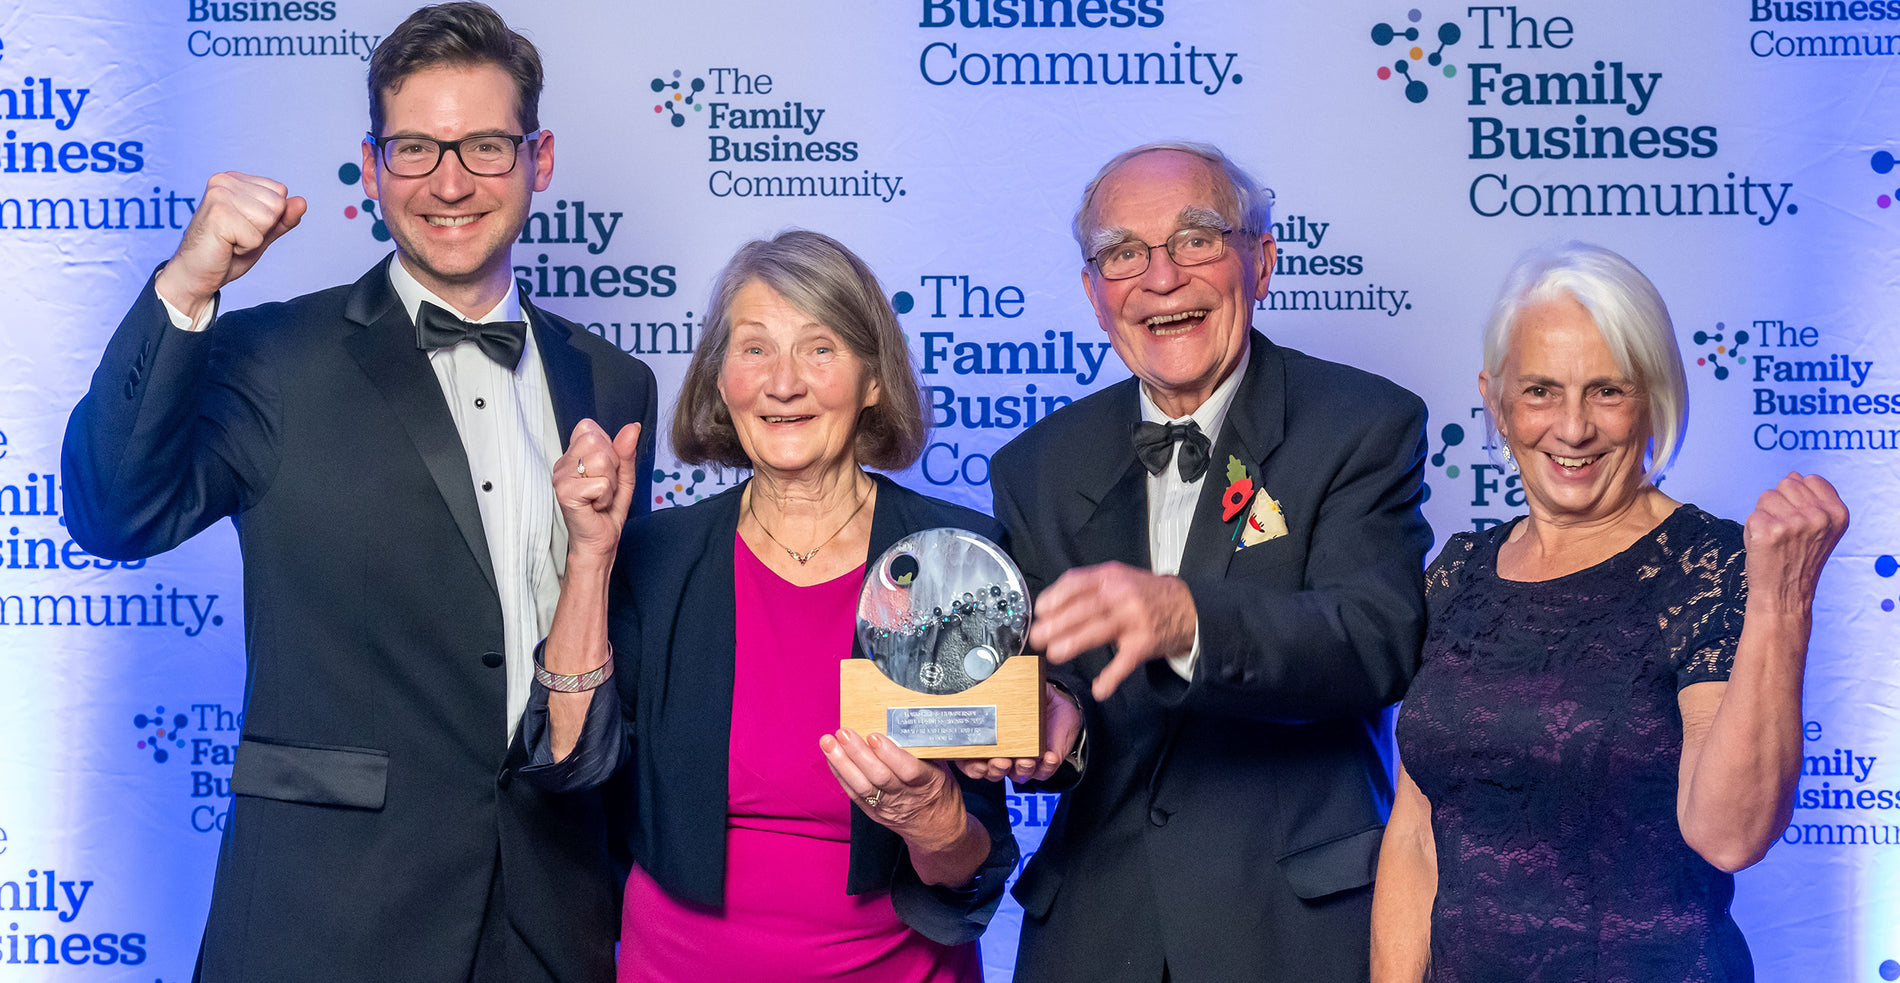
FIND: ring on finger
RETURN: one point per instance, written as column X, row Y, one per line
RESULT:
column 580, row 468
column 876, row 796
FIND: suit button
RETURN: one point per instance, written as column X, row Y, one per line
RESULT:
column 506, row 778
column 1158, row 815
column 492, row 660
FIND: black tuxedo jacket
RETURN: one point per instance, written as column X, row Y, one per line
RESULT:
column 1228, row 827
column 673, row 632
column 374, row 795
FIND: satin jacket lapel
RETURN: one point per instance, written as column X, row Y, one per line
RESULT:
column 570, row 373
column 1255, row 425
column 385, row 348
column 1116, row 527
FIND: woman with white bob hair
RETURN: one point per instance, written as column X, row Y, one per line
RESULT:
column 1607, row 723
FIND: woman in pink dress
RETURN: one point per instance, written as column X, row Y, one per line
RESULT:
column 770, row 844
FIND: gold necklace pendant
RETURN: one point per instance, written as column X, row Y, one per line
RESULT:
column 752, row 507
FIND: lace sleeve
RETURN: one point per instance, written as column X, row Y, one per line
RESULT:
column 1446, row 567
column 1702, row 629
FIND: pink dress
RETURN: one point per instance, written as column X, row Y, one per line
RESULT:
column 788, row 823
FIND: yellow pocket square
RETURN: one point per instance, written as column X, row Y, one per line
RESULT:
column 1264, row 521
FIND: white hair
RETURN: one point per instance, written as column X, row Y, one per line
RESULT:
column 1246, row 206
column 1628, row 312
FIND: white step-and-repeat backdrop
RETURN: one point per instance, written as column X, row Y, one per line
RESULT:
column 1742, row 152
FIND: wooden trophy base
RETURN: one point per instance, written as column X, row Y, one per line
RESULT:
column 1010, row 702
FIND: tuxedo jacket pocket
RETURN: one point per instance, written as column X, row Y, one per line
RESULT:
column 1333, row 866
column 318, row 774
column 1036, row 889
column 1276, row 559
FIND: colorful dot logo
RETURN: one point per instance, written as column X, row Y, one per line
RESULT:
column 1722, row 349
column 1450, row 436
column 1883, row 162
column 684, row 485
column 1885, row 565
column 352, row 175
column 161, row 735
column 684, row 94
column 1416, row 90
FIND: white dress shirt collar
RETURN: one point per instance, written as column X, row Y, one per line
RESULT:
column 412, row 293
column 1211, row 414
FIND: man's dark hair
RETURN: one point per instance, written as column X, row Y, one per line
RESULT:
column 461, row 35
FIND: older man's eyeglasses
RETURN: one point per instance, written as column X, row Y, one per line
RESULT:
column 1188, row 247
column 487, row 155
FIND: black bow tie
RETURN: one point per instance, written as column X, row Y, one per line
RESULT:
column 499, row 340
column 1154, row 444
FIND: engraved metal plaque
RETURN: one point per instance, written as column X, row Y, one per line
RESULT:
column 940, row 726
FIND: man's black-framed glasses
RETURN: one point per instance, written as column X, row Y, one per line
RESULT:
column 1188, row 247
column 484, row 155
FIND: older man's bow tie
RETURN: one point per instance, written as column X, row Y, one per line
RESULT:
column 1154, row 443
column 499, row 340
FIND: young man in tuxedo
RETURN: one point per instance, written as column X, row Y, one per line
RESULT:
column 384, row 450
column 1232, row 596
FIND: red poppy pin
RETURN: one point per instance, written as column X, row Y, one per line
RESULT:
column 1239, row 490
column 1264, row 520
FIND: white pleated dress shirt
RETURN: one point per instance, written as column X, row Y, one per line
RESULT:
column 1171, row 501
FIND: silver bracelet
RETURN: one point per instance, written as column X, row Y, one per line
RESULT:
column 561, row 682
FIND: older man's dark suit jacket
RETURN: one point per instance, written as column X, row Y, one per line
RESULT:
column 673, row 631
column 1229, row 826
column 375, row 801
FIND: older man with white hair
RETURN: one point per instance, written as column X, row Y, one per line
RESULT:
column 1228, row 552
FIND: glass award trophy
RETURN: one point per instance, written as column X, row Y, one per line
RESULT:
column 941, row 670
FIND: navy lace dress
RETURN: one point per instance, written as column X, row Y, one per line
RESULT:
column 1544, row 729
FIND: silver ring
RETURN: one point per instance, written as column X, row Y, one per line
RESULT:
column 580, row 468
column 876, row 796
